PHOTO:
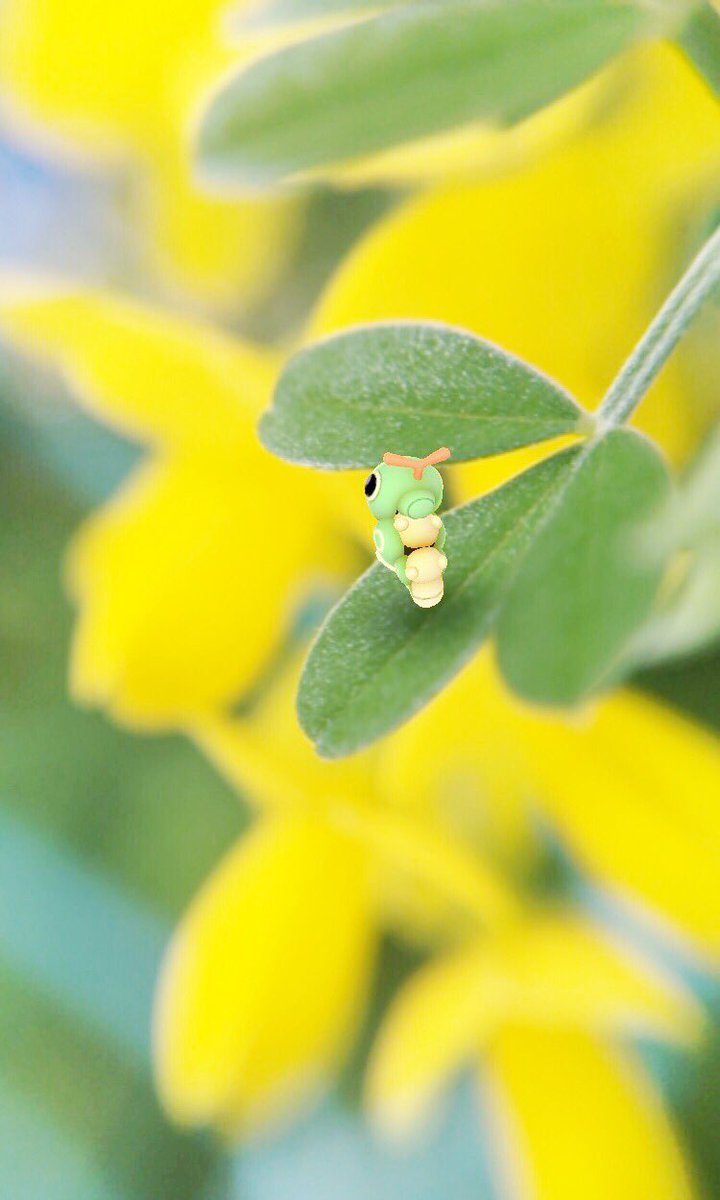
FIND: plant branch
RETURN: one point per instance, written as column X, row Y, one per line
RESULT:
column 663, row 335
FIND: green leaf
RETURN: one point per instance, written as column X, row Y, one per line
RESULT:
column 700, row 39
column 417, row 70
column 409, row 387
column 692, row 514
column 378, row 658
column 689, row 620
column 688, row 616
column 39, row 1160
column 583, row 589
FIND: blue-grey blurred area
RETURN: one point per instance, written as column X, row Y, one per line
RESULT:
column 60, row 220
column 333, row 1153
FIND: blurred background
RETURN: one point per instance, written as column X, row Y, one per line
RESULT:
column 107, row 832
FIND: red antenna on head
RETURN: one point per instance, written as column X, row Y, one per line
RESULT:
column 418, row 465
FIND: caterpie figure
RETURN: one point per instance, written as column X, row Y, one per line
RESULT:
column 404, row 495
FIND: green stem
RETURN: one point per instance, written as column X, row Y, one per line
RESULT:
column 663, row 335
column 700, row 39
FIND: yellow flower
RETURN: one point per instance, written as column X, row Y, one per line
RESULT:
column 562, row 262
column 534, row 1013
column 266, row 977
column 631, row 786
column 187, row 578
column 120, row 83
column 577, row 1117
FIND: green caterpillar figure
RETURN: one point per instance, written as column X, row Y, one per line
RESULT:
column 404, row 495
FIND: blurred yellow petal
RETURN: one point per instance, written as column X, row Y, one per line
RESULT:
column 575, row 1119
column 562, row 970
column 166, row 379
column 123, row 82
column 96, row 73
column 151, row 375
column 628, row 720
column 265, row 978
column 457, row 761
column 226, row 250
column 563, row 262
column 113, row 77
column 630, row 784
column 434, row 1025
column 417, row 857
column 634, row 788
column 424, row 878
column 266, row 755
column 185, row 590
column 187, row 578
column 546, row 971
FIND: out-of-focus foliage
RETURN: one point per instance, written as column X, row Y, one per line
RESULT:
column 420, row 69
column 689, row 615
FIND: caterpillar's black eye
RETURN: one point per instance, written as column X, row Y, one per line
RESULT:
column 372, row 484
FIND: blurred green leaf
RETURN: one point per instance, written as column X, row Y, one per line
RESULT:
column 379, row 658
column 583, row 590
column 692, row 685
column 421, row 69
column 409, row 387
column 38, row 1162
column 697, row 1112
column 689, row 620
column 692, row 515
column 334, row 222
column 700, row 39
column 688, row 614
column 96, row 1098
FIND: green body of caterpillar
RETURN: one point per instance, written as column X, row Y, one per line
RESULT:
column 404, row 507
